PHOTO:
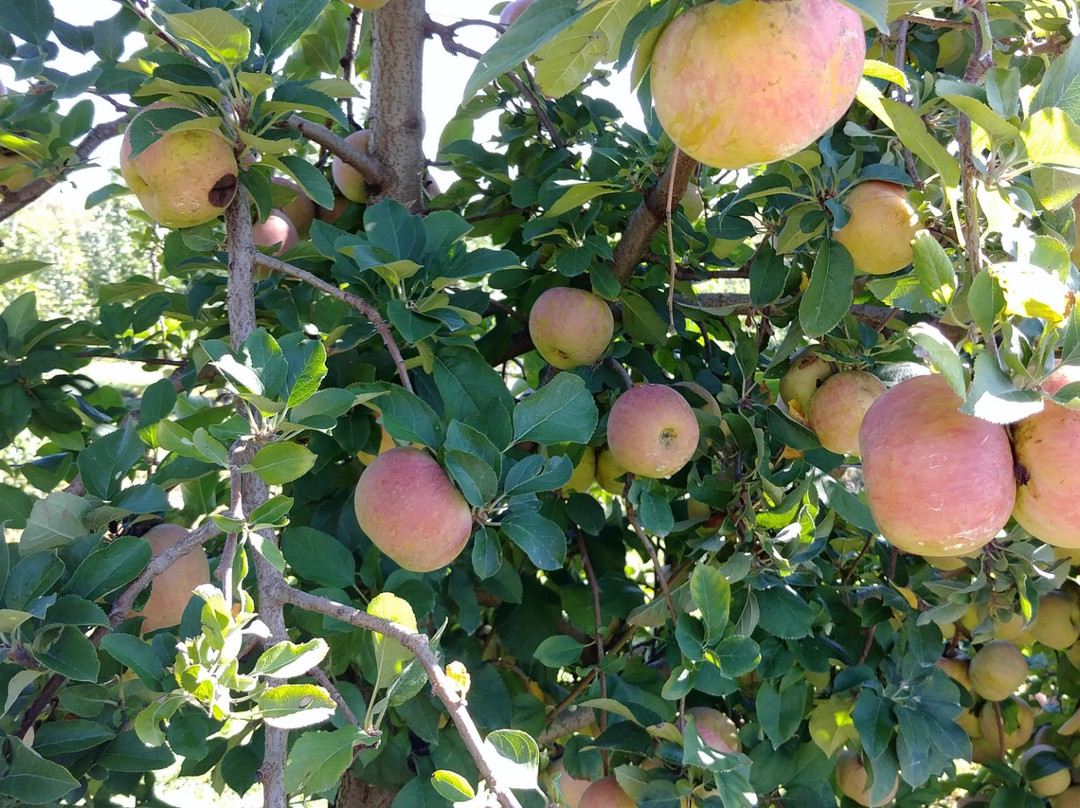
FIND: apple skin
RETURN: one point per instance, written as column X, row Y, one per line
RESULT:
column 1057, row 624
column 184, row 179
column 938, row 482
column 838, row 407
column 956, row 668
column 171, row 591
column 727, row 107
column 609, row 474
column 411, row 511
column 20, row 178
column 572, row 788
column 1046, row 445
column 1017, row 737
column 347, row 179
column 997, row 670
column 300, row 209
column 331, row 215
column 1049, row 785
column 277, row 231
column 606, row 793
column 851, row 777
column 652, row 431
column 801, row 381
column 716, row 729
column 511, row 11
column 879, row 231
column 1069, row 798
column 570, row 327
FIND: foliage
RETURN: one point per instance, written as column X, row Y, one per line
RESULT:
column 779, row 602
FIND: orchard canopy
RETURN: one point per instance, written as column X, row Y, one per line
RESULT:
column 529, row 455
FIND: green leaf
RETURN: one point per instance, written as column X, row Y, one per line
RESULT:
column 452, row 786
column 993, row 397
column 136, row 654
column 641, row 320
column 828, row 296
column 295, row 706
column 1060, row 85
column 70, row 610
column 10, row 270
column 318, row 557
column 224, row 38
column 72, row 655
column 105, row 462
column 558, row 651
column 306, row 360
column 577, row 193
column 933, row 268
column 784, row 613
column 32, row 577
column 999, row 130
column 541, row 539
column 109, row 567
column 737, row 655
column 32, row 779
column 781, row 711
column 943, row 355
column 157, row 402
column 1051, row 138
column 129, row 754
column 877, row 11
column 53, row 522
column 517, row 757
column 322, row 410
column 712, row 596
column 1031, row 291
column 562, row 411
column 532, row 474
column 285, row 659
column 318, row 759
column 392, row 227
column 539, row 24
column 478, row 481
column 283, row 21
column 283, row 462
column 407, row 417
column 307, row 176
column 72, row 735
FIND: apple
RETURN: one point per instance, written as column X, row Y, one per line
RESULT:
column 277, row 231
column 1057, row 624
column 1069, row 798
column 20, row 177
column 1017, row 729
column 1047, row 785
column 584, row 473
column 851, row 779
column 1046, row 446
column 716, row 729
column 572, row 788
column 171, row 591
column 348, row 180
column 184, row 178
column 938, row 482
column 331, row 215
column 801, row 381
column 838, row 407
column 570, row 327
column 652, row 431
column 411, row 511
column 957, row 669
column 606, row 793
column 299, row 209
column 997, row 670
column 609, row 473
column 750, row 83
column 692, row 203
column 879, row 231
column 511, row 11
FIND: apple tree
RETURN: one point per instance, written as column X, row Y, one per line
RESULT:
column 726, row 461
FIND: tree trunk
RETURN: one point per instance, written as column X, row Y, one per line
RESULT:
column 353, row 793
column 397, row 118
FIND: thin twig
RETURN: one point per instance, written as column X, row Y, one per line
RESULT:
column 598, row 621
column 669, row 203
column 658, row 570
column 347, row 59
column 358, row 303
column 324, row 680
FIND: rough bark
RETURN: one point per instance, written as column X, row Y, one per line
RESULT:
column 397, row 118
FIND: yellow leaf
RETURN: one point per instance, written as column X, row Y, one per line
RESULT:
column 1031, row 291
column 831, row 725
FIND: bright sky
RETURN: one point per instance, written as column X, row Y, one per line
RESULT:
column 444, row 77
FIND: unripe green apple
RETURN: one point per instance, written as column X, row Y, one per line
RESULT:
column 749, row 83
column 411, row 511
column 652, row 431
column 570, row 327
column 997, row 670
column 171, row 591
column 348, row 180
column 801, row 381
column 184, row 178
column 838, row 407
column 882, row 224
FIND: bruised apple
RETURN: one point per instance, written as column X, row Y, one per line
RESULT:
column 879, row 231
column 348, row 180
column 652, row 431
column 997, row 670
column 801, row 381
column 757, row 81
column 171, row 591
column 852, row 777
column 570, row 327
column 938, row 482
column 411, row 511
column 606, row 793
column 838, row 407
column 1047, row 444
column 184, row 178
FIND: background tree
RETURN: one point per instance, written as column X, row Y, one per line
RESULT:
column 764, row 621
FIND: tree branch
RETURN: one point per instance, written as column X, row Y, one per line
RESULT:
column 17, row 200
column 358, row 303
column 373, row 171
column 650, row 214
column 418, row 643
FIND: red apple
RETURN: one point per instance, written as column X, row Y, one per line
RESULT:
column 652, row 431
